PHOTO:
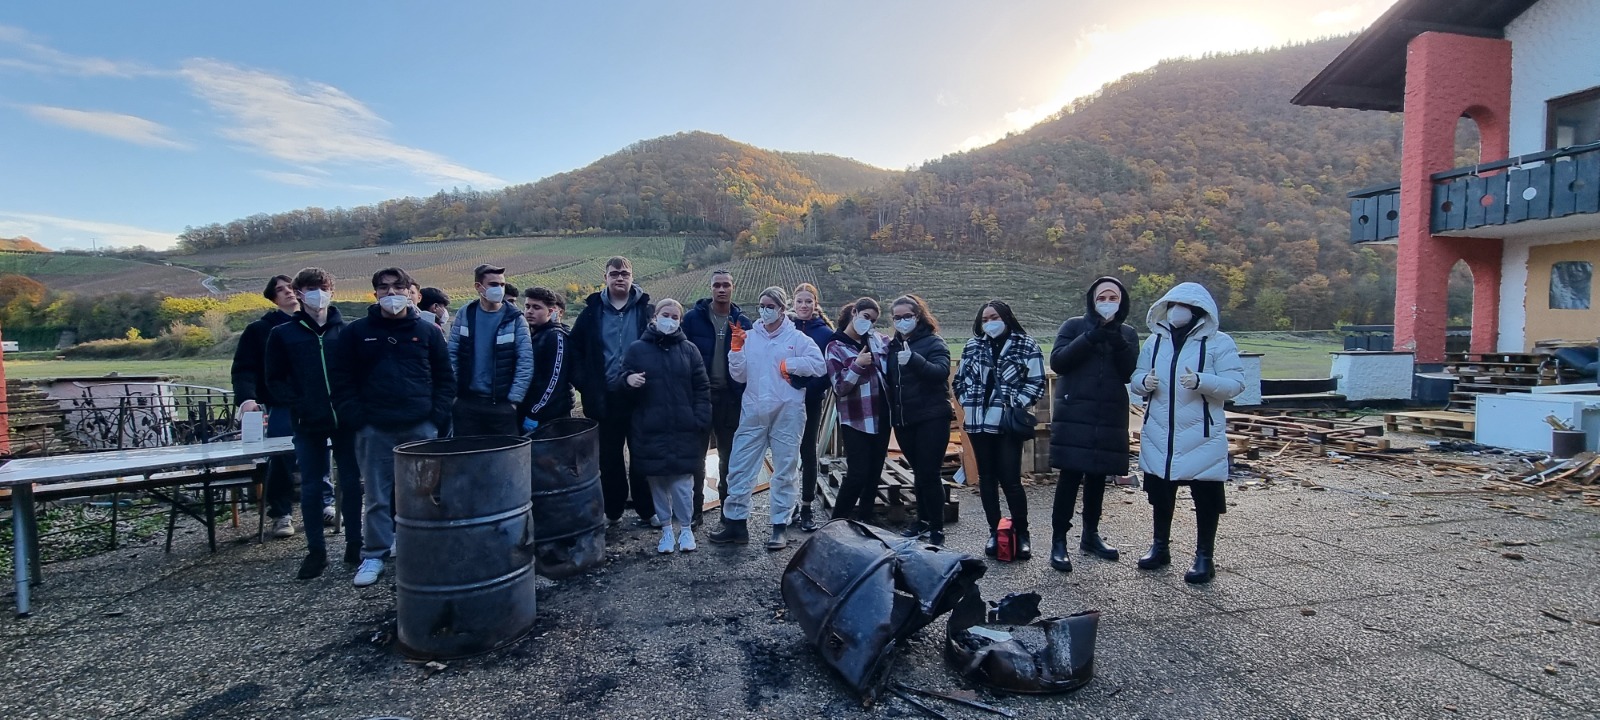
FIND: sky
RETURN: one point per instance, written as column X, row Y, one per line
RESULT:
column 123, row 122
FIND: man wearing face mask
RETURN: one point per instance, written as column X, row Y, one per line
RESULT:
column 492, row 358
column 391, row 379
column 434, row 302
column 707, row 325
column 299, row 354
column 1189, row 370
column 1093, row 357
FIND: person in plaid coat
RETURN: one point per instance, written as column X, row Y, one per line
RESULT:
column 1001, row 367
column 857, row 356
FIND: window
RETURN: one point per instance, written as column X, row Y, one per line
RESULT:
column 1569, row 285
column 1573, row 119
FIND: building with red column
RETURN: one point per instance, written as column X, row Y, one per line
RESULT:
column 1526, row 218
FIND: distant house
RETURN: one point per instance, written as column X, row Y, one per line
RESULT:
column 1526, row 219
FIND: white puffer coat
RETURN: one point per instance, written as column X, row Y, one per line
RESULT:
column 1185, row 431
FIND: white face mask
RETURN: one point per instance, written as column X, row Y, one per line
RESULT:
column 494, row 293
column 316, row 299
column 904, row 327
column 862, row 325
column 1179, row 315
column 666, row 325
column 768, row 315
column 394, row 304
column 993, row 328
column 443, row 317
column 1107, row 310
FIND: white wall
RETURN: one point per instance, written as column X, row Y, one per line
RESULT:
column 1373, row 375
column 1514, row 285
column 1555, row 51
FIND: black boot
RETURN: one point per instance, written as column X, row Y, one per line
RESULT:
column 777, row 542
column 1159, row 556
column 1204, row 547
column 732, row 531
column 936, row 537
column 1093, row 544
column 1024, row 545
column 352, row 553
column 807, row 522
column 993, row 548
column 1203, row 569
column 915, row 529
column 1058, row 554
column 313, row 565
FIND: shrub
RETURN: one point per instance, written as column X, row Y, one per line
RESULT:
column 184, row 340
column 111, row 349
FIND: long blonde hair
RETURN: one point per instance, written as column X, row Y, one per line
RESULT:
column 816, row 298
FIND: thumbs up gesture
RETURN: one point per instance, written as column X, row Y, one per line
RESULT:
column 1189, row 379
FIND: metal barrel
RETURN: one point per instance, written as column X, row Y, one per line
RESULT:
column 464, row 580
column 569, row 513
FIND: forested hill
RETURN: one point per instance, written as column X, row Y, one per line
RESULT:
column 1194, row 170
column 688, row 182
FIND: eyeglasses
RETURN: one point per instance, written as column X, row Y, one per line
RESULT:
column 905, row 317
column 619, row 274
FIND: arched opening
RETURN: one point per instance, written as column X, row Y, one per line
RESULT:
column 1468, row 143
column 1458, row 316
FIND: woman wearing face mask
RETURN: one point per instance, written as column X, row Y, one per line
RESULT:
column 1001, row 368
column 919, row 407
column 1189, row 370
column 1093, row 356
column 857, row 356
column 672, row 411
column 808, row 318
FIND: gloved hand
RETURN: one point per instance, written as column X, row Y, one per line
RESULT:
column 735, row 338
column 1151, row 382
column 904, row 356
column 783, row 369
column 1189, row 379
column 529, row 425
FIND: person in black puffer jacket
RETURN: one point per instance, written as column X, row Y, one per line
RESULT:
column 810, row 319
column 919, row 407
column 665, row 380
column 250, row 391
column 1094, row 356
column 550, row 394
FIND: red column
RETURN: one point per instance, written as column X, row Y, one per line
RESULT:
column 1447, row 76
column 1483, row 259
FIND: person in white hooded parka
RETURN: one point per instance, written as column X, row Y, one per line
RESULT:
column 1188, row 370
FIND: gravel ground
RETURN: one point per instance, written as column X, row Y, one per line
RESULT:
column 1352, row 599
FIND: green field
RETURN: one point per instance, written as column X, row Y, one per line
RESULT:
column 97, row 274
column 211, row 372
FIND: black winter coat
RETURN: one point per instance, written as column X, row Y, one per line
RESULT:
column 1093, row 359
column 250, row 359
column 393, row 373
column 299, row 355
column 589, row 349
column 698, row 329
column 821, row 333
column 672, row 412
column 920, row 389
column 550, row 394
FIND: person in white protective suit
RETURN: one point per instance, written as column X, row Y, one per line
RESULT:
column 771, row 360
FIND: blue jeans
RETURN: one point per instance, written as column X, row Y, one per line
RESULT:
column 279, row 488
column 376, row 449
column 311, row 452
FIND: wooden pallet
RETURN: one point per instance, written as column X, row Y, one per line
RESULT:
column 1436, row 423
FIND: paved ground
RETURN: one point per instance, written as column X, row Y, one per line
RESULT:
column 1354, row 601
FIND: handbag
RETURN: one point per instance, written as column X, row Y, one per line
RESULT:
column 1017, row 422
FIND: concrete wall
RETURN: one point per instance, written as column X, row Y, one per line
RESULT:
column 1514, row 336
column 1554, row 52
column 1366, row 376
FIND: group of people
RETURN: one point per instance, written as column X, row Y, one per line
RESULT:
column 666, row 382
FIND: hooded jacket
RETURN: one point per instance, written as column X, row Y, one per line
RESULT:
column 510, row 359
column 550, row 394
column 1093, row 359
column 920, row 389
column 697, row 327
column 757, row 366
column 299, row 355
column 591, row 372
column 672, row 411
column 821, row 333
column 1184, row 436
column 393, row 373
column 250, row 359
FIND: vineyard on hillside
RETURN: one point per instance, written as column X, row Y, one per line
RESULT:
column 97, row 275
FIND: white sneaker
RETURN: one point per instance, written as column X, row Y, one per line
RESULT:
column 282, row 527
column 329, row 514
column 369, row 571
column 686, row 540
column 668, row 542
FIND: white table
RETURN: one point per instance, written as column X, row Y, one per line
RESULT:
column 22, row 475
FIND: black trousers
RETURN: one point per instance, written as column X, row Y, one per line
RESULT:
column 725, row 408
column 1000, row 468
column 808, row 449
column 864, row 454
column 924, row 444
column 1210, row 502
column 1094, row 494
column 618, row 477
column 473, row 415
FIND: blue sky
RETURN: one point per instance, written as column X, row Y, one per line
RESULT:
column 123, row 122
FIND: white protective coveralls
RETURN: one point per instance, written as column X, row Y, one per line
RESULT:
column 773, row 416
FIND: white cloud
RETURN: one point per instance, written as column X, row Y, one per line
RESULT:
column 42, row 58
column 129, row 128
column 60, row 233
column 316, row 178
column 311, row 124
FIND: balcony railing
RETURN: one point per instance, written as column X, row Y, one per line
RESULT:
column 1538, row 186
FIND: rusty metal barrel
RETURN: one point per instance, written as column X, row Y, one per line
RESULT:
column 569, row 513
column 464, row 528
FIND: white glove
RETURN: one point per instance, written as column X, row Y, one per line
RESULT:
column 1151, row 382
column 904, row 356
column 1189, row 379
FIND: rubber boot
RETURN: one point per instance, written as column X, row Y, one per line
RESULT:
column 732, row 531
column 777, row 542
column 807, row 522
column 1160, row 555
column 993, row 548
column 1024, row 545
column 1058, row 554
column 1205, row 568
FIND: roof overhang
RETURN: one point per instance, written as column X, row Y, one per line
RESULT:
column 1371, row 73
